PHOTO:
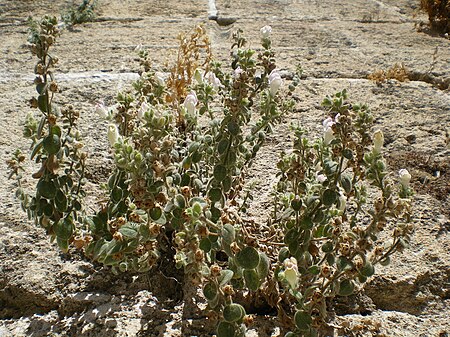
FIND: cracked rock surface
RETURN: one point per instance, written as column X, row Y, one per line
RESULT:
column 338, row 43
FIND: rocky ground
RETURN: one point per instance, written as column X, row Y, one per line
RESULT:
column 338, row 43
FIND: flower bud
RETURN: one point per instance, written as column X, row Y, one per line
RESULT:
column 228, row 290
column 404, row 177
column 275, row 82
column 265, row 32
column 143, row 109
column 160, row 79
column 199, row 255
column 198, row 75
column 342, row 201
column 190, row 102
column 118, row 236
column 328, row 135
column 101, row 110
column 33, row 102
column 291, row 271
column 113, row 134
column 237, row 72
column 214, row 81
column 53, row 87
column 378, row 141
column 215, row 270
column 39, row 69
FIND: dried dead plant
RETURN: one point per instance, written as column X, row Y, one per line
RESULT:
column 397, row 72
column 194, row 51
column 438, row 14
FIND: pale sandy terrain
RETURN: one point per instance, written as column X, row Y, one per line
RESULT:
column 338, row 43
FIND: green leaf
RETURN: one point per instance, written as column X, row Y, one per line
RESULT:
column 220, row 172
column 215, row 194
column 283, row 254
column 367, row 270
column 306, row 223
column 156, row 213
column 263, row 266
column 384, row 262
column 62, row 244
column 314, row 270
column 296, row 203
column 233, row 312
column 251, row 278
column 346, row 288
column 210, row 291
column 248, row 258
column 40, row 88
column 129, row 231
column 144, row 231
column 46, row 189
column 179, row 201
column 36, row 149
column 327, row 247
column 226, row 183
column 233, row 128
column 52, row 144
column 42, row 103
column 194, row 147
column 226, row 329
column 228, row 233
column 225, row 276
column 223, row 146
column 348, row 154
column 48, row 210
column 303, row 320
column 346, row 184
column 196, row 157
column 116, row 194
column 56, row 130
column 64, row 229
column 205, row 245
column 329, row 197
column 343, row 263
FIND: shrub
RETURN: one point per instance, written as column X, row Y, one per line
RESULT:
column 183, row 143
column 438, row 14
column 84, row 12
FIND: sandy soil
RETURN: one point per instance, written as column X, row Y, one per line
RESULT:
column 338, row 43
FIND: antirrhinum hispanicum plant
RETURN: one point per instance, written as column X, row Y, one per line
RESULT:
column 56, row 203
column 340, row 211
column 183, row 142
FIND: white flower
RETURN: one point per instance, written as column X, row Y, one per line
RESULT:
column 113, row 134
column 321, row 178
column 160, row 79
column 214, row 81
column 378, row 140
column 237, row 72
column 404, row 177
column 139, row 48
column 328, row 135
column 275, row 82
column 291, row 271
column 342, row 201
column 190, row 102
column 101, row 110
column 143, row 109
column 198, row 75
column 265, row 32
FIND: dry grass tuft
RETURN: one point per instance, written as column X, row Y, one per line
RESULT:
column 397, row 72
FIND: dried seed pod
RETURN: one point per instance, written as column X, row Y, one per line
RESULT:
column 215, row 270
